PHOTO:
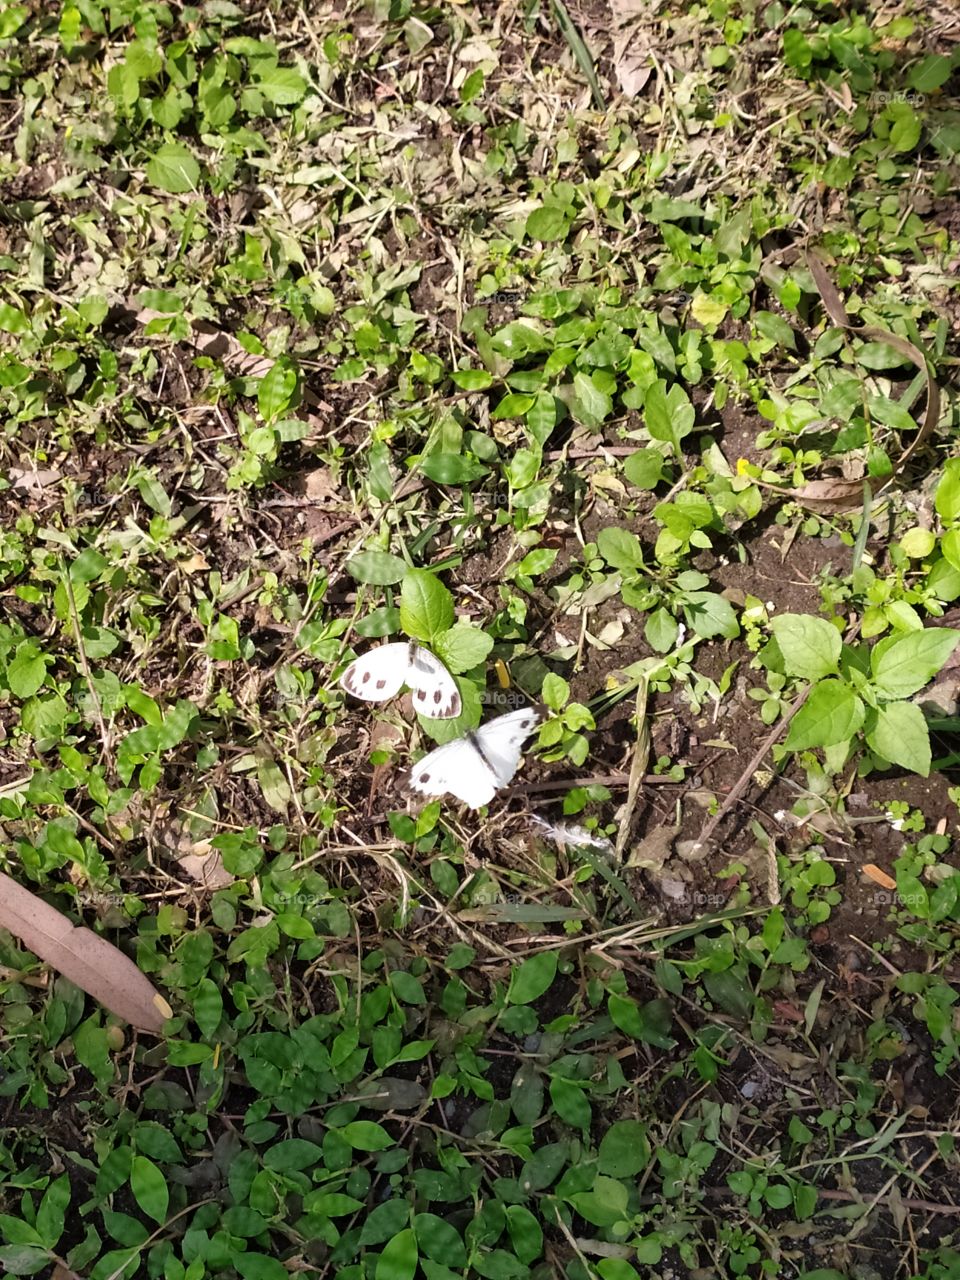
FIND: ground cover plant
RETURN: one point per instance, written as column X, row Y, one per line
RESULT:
column 609, row 354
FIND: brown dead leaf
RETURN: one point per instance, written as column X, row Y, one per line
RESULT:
column 878, row 876
column 32, row 481
column 89, row 961
column 631, row 45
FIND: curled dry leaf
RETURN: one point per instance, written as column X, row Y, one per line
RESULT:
column 841, row 494
column 631, row 45
column 89, row 961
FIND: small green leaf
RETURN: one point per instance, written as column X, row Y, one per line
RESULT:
column 426, row 606
column 365, row 1135
column 533, row 977
column 277, row 389
column 547, row 223
column 399, row 1258
column 293, row 1153
column 379, row 568
column 463, row 647
column 149, row 1188
column 451, row 468
column 173, row 168
column 624, row 1149
column 27, row 671
column 650, row 1023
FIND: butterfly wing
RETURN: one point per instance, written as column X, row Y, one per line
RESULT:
column 499, row 742
column 435, row 691
column 456, row 768
column 473, row 768
column 378, row 674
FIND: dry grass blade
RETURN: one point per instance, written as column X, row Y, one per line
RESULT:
column 638, row 768
column 90, row 962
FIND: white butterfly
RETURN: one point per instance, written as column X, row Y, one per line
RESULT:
column 473, row 768
column 381, row 674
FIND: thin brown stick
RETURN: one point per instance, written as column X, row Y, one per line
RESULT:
column 744, row 780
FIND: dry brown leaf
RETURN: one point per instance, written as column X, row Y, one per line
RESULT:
column 631, row 45
column 875, row 874
column 61, row 1272
column 89, row 961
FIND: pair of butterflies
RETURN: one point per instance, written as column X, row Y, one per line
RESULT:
column 472, row 768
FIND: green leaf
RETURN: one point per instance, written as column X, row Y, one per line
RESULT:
column 669, row 415
column 149, row 1188
column 620, row 548
column 525, row 1233
column 283, row 86
column 451, row 468
column 644, row 468
column 903, row 664
column 571, row 1103
column 173, row 168
column 810, row 646
column 651, row 1023
column 52, row 1211
column 406, row 987
column 27, row 671
column 258, row 1266
column 12, row 319
column 930, row 73
column 947, row 497
column 593, row 405
column 277, row 388
column 616, row 1269
column 399, row 1258
column 533, row 977
column 439, row 1240
column 379, row 568
column 293, row 1153
column 710, row 615
column 832, row 714
column 426, row 606
column 899, row 734
column 472, row 379
column 624, row 1149
column 463, row 647
column 547, row 223
column 365, row 1135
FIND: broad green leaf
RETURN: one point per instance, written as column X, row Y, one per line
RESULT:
column 365, row 1135
column 810, row 646
column 525, row 1232
column 616, row 1269
column 644, row 468
column 406, row 987
column 398, row 1261
column 471, row 379
column 947, row 497
column 463, row 647
column 571, row 1103
column 149, row 1188
column 650, row 1023
column 899, row 734
column 709, row 615
column 27, row 670
column 258, row 1266
column 593, row 405
column 12, row 319
column 293, row 1153
column 439, row 1239
column 547, row 223
column 832, row 714
column 283, row 86
column 173, row 168
column 426, row 606
column 903, row 664
column 451, row 468
column 532, row 978
column 379, row 568
column 620, row 548
column 930, row 73
column 277, row 388
column 624, row 1149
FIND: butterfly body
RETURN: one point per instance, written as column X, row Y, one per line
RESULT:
column 382, row 672
column 473, row 768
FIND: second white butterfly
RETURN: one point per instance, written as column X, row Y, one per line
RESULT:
column 382, row 672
